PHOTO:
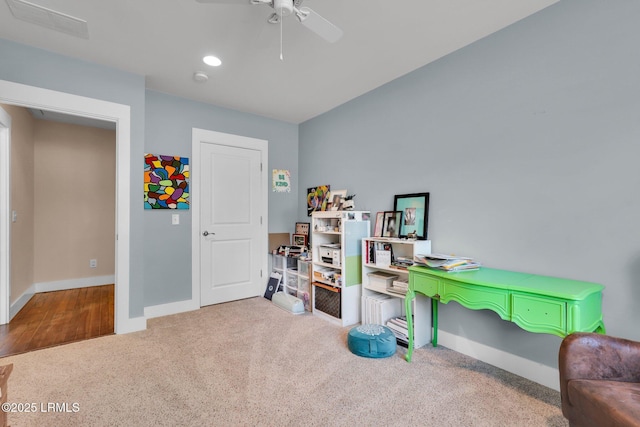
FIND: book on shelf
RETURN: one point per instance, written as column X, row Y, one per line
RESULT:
column 377, row 309
column 398, row 326
column 383, row 258
column 379, row 253
column 448, row 263
column 399, row 286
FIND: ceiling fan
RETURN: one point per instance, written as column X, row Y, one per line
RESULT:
column 306, row 16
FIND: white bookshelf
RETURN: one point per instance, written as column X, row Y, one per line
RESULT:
column 336, row 264
column 375, row 287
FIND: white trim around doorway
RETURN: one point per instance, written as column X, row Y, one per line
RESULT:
column 45, row 99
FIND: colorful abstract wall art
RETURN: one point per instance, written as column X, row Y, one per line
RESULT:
column 317, row 198
column 166, row 182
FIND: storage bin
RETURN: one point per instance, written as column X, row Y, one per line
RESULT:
column 381, row 280
column 303, row 267
column 292, row 285
column 282, row 262
column 327, row 300
column 324, row 274
column 303, row 285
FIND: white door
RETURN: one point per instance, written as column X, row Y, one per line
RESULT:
column 231, row 233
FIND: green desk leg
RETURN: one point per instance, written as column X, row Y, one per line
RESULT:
column 408, row 299
column 434, row 315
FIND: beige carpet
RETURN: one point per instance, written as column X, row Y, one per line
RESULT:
column 249, row 363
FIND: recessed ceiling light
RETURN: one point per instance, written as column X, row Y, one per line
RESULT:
column 214, row 61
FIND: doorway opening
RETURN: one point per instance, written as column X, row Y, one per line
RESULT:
column 60, row 102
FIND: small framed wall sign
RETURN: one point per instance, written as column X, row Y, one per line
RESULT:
column 299, row 240
column 415, row 214
column 302, row 228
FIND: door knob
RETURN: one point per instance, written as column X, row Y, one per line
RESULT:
column 206, row 233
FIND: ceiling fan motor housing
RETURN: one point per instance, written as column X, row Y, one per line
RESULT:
column 283, row 7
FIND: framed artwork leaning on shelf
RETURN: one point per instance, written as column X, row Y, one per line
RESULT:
column 377, row 231
column 392, row 220
column 415, row 209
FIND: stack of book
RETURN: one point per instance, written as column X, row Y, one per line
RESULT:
column 398, row 326
column 399, row 286
column 448, row 263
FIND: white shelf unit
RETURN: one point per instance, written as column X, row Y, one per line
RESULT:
column 295, row 277
column 376, row 288
column 337, row 264
column 298, row 283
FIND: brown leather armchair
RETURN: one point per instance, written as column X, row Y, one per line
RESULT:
column 600, row 380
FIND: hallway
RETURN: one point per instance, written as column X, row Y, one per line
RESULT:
column 60, row 317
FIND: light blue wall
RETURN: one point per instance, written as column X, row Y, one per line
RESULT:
column 35, row 67
column 160, row 252
column 169, row 121
column 528, row 142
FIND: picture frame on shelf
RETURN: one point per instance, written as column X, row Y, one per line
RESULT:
column 299, row 240
column 337, row 199
column 415, row 209
column 391, row 224
column 302, row 228
column 377, row 230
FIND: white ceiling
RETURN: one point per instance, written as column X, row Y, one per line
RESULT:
column 164, row 40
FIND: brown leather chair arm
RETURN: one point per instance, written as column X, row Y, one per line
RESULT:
column 597, row 357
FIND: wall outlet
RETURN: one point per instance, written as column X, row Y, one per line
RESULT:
column 93, row 263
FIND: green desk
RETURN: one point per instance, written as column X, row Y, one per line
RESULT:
column 541, row 304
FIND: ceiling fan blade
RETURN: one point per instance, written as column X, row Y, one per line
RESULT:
column 319, row 25
column 224, row 1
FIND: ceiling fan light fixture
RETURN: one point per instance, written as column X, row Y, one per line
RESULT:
column 283, row 7
column 212, row 61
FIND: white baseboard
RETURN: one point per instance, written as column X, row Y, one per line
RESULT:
column 170, row 308
column 85, row 282
column 134, row 324
column 537, row 372
column 21, row 302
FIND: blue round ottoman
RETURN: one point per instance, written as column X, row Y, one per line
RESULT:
column 374, row 341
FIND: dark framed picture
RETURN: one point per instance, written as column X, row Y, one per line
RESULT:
column 302, row 228
column 299, row 240
column 391, row 225
column 377, row 230
column 415, row 209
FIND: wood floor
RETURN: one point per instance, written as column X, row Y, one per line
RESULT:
column 60, row 317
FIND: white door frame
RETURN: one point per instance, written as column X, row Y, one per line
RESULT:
column 45, row 99
column 5, row 213
column 202, row 135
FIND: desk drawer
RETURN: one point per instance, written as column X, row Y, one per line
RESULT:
column 539, row 314
column 426, row 285
column 476, row 298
